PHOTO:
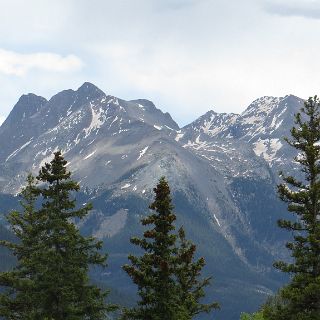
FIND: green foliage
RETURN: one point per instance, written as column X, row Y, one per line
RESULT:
column 51, row 277
column 165, row 274
column 188, row 272
column 276, row 306
column 300, row 299
column 253, row 316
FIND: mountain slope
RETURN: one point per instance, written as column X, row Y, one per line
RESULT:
column 223, row 186
column 260, row 128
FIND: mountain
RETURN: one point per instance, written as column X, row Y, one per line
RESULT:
column 222, row 169
column 260, row 129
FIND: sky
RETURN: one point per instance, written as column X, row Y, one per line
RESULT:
column 187, row 56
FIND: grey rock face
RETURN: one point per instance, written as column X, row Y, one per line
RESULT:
column 88, row 126
column 261, row 129
column 222, row 169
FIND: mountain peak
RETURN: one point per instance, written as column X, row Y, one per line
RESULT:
column 212, row 123
column 83, row 95
column 267, row 105
column 27, row 105
column 292, row 98
column 210, row 113
column 89, row 89
column 263, row 105
column 29, row 102
column 151, row 114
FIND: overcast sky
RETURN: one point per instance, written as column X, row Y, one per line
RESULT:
column 187, row 56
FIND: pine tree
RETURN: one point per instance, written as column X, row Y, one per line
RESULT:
column 53, row 257
column 188, row 271
column 162, row 272
column 17, row 301
column 301, row 297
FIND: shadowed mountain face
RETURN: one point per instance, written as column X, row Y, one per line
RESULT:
column 222, row 169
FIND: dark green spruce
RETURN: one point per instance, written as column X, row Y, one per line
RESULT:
column 51, row 280
column 188, row 271
column 18, row 300
column 165, row 274
column 300, row 299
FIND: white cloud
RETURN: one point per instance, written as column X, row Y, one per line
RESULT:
column 188, row 56
column 13, row 63
column 298, row 8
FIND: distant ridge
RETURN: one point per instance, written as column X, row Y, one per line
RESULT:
column 222, row 169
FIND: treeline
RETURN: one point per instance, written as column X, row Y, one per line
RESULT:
column 51, row 282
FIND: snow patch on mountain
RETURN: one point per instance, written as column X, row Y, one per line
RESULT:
column 217, row 123
column 142, row 152
column 179, row 136
column 267, row 148
column 97, row 120
column 126, row 186
column 113, row 121
column 261, row 107
column 89, row 155
column 14, row 153
column 218, row 222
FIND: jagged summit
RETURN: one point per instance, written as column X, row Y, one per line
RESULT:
column 83, row 95
column 260, row 128
column 27, row 105
column 145, row 110
column 263, row 105
column 212, row 123
column 267, row 104
column 72, row 119
column 28, row 98
column 89, row 89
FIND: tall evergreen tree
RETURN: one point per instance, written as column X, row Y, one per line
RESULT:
column 301, row 297
column 17, row 302
column 164, row 270
column 188, row 271
column 53, row 257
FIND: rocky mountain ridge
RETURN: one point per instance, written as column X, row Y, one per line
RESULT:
column 260, row 129
column 222, row 169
